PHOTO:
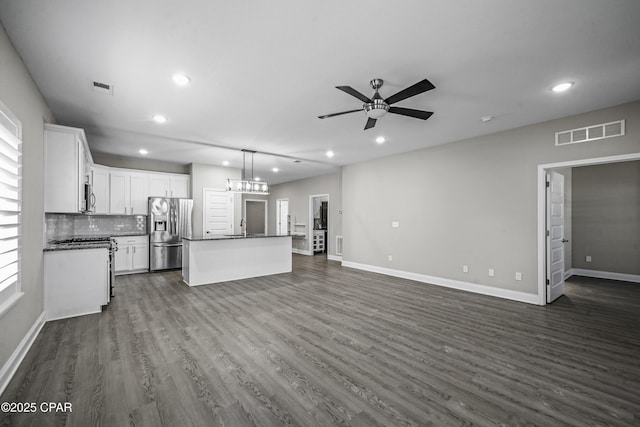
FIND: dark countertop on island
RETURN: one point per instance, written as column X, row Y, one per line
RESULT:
column 197, row 238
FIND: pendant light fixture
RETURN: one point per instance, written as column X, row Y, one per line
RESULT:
column 246, row 184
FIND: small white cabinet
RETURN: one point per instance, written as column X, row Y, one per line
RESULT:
column 66, row 169
column 132, row 255
column 319, row 240
column 129, row 192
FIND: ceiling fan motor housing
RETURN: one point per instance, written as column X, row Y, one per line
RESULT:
column 378, row 107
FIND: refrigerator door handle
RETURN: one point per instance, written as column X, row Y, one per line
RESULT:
column 163, row 245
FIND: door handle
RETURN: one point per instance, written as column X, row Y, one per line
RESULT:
column 565, row 240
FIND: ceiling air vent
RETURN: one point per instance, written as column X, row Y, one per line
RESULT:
column 590, row 133
column 105, row 88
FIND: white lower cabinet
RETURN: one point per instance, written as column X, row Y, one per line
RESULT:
column 132, row 255
column 319, row 243
column 76, row 282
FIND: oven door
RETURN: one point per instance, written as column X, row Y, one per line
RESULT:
column 164, row 256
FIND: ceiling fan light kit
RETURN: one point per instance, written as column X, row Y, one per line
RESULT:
column 246, row 185
column 376, row 107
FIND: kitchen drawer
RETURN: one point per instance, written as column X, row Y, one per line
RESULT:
column 132, row 240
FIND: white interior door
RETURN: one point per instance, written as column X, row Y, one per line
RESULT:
column 555, row 236
column 283, row 216
column 218, row 212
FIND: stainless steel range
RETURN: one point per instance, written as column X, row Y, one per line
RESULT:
column 169, row 220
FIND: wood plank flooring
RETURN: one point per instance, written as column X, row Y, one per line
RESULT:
column 327, row 345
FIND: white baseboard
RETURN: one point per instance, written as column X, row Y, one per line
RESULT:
column 301, row 251
column 334, row 257
column 449, row 283
column 11, row 366
column 605, row 275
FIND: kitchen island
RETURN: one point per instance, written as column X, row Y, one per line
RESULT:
column 207, row 260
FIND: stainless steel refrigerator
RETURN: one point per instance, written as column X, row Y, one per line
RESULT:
column 169, row 221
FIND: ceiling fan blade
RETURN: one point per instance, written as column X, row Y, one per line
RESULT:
column 370, row 123
column 421, row 86
column 418, row 114
column 326, row 116
column 351, row 91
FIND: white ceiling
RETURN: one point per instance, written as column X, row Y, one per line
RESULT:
column 262, row 71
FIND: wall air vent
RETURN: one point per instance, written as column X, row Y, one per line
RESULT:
column 590, row 133
column 105, row 88
column 339, row 245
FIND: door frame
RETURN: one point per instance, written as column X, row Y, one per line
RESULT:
column 279, row 214
column 542, row 209
column 310, row 227
column 266, row 212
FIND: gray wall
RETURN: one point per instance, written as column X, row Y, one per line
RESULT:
column 298, row 193
column 606, row 217
column 209, row 176
column 472, row 202
column 20, row 94
column 138, row 163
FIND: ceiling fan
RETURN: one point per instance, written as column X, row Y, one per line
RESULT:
column 376, row 107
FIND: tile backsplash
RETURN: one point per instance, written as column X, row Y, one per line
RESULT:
column 64, row 226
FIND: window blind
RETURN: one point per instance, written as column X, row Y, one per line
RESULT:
column 10, row 207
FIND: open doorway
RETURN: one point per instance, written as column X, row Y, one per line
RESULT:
column 255, row 216
column 548, row 253
column 283, row 223
column 319, row 224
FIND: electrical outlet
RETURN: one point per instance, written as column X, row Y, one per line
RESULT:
column 465, row 268
column 518, row 275
column 588, row 258
column 491, row 272
column 390, row 258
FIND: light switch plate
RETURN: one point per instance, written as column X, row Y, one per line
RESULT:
column 395, row 224
column 491, row 272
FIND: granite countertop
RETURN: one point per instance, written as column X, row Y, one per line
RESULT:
column 85, row 241
column 233, row 237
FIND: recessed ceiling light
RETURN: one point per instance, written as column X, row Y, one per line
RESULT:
column 275, row 169
column 143, row 151
column 159, row 118
column 381, row 140
column 225, row 163
column 485, row 119
column 561, row 87
column 330, row 154
column 181, row 79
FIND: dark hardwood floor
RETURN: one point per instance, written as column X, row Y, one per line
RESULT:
column 327, row 345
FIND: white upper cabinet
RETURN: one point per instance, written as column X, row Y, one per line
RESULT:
column 159, row 185
column 179, row 186
column 139, row 193
column 67, row 164
column 129, row 192
column 168, row 185
column 100, row 186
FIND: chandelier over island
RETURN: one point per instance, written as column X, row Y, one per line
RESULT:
column 247, row 184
